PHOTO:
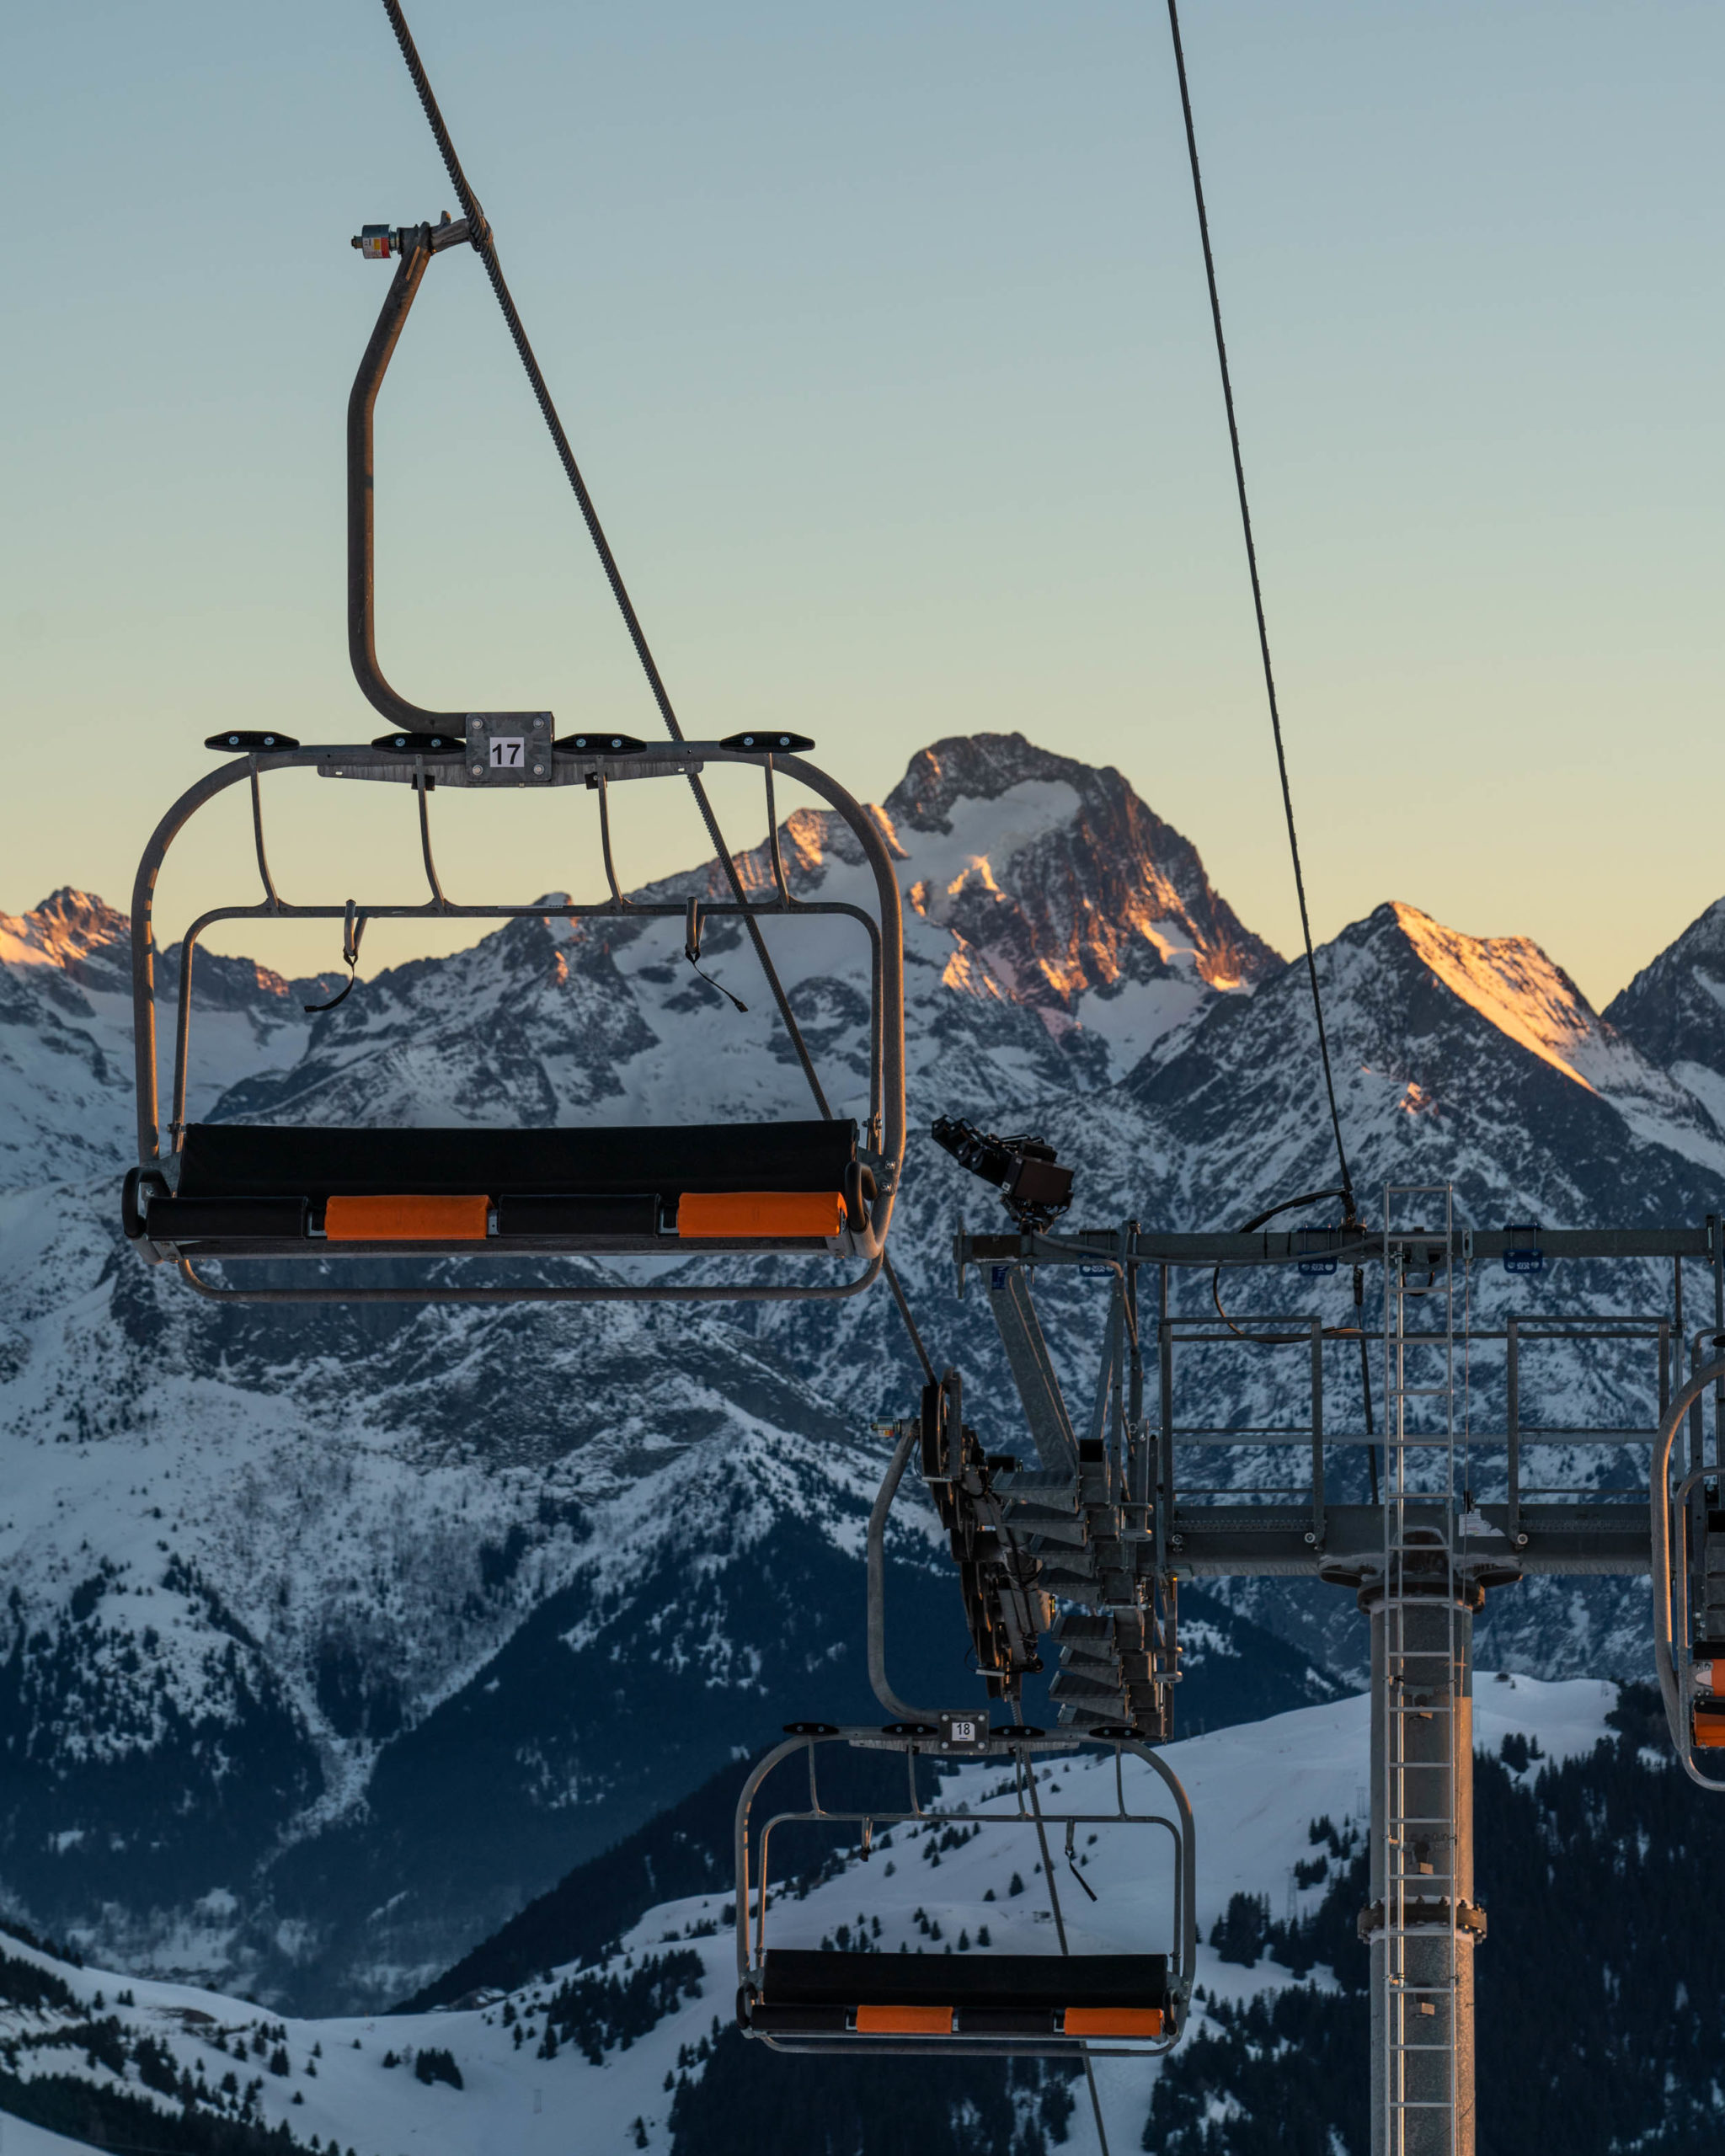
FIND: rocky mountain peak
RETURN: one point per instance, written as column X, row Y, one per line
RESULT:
column 1058, row 874
column 80, row 938
column 972, row 767
column 1510, row 982
column 86, row 938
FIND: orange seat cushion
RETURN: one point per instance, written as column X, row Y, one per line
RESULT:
column 1710, row 1729
column 904, row 2020
column 406, row 1219
column 1113, row 2021
column 715, row 1214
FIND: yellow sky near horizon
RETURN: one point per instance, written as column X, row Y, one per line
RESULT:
column 885, row 347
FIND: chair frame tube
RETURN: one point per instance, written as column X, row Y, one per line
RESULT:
column 887, row 1127
column 1672, row 1659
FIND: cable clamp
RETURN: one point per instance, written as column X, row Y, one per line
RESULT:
column 884, row 1171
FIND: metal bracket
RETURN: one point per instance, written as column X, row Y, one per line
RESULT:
column 1033, row 1370
column 964, row 1732
column 509, row 748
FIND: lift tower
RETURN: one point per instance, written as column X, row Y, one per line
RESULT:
column 1116, row 1520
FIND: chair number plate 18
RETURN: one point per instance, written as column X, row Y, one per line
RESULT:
column 967, row 1732
column 508, row 751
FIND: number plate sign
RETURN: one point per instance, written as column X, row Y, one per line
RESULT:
column 509, row 748
column 964, row 1732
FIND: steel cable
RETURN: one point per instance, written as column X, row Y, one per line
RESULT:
column 1263, row 638
column 485, row 246
column 1352, row 1212
column 1028, row 1760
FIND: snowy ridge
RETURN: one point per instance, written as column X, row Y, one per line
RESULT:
column 1511, row 982
column 66, row 1053
column 1673, row 1011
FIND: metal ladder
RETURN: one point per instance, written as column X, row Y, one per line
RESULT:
column 1420, row 1704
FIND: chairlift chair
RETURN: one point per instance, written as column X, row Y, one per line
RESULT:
column 207, row 1191
column 1688, row 1534
column 983, row 2001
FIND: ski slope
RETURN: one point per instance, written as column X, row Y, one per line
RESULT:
column 1254, row 1789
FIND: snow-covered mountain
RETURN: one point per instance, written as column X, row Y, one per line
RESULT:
column 622, row 2044
column 1673, row 1011
column 333, row 1636
column 66, row 1035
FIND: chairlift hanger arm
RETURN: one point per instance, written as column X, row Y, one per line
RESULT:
column 878, row 1681
column 416, row 245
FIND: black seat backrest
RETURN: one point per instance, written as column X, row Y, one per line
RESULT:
column 237, row 1160
column 1040, row 1982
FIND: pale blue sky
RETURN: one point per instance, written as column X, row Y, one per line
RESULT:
column 883, row 340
